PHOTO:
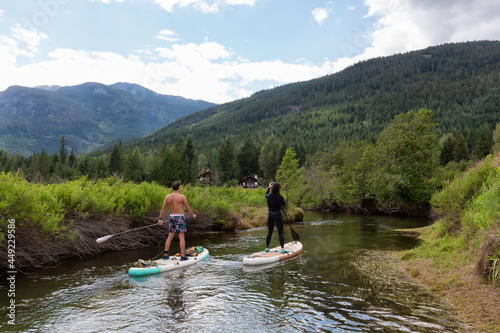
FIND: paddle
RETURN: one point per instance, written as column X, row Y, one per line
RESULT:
column 105, row 238
column 295, row 235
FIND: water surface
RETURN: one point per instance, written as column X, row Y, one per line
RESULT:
column 319, row 291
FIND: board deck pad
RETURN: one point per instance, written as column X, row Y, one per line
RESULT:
column 260, row 258
column 174, row 262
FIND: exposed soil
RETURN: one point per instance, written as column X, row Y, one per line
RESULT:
column 34, row 248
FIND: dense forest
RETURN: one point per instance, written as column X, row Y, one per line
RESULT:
column 91, row 116
column 459, row 82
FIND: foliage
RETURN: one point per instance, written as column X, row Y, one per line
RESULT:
column 405, row 157
column 46, row 206
column 269, row 158
column 469, row 226
column 290, row 176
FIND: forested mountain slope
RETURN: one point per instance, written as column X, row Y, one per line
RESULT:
column 90, row 116
column 460, row 82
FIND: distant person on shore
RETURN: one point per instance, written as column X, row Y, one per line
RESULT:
column 176, row 203
column 275, row 202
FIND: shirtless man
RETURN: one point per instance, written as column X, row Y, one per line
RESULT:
column 177, row 222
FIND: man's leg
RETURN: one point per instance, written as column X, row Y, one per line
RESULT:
column 182, row 244
column 169, row 241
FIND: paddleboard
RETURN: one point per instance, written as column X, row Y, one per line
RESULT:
column 274, row 255
column 174, row 262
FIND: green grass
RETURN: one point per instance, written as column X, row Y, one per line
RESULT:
column 45, row 206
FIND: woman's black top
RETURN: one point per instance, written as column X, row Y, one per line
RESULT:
column 274, row 201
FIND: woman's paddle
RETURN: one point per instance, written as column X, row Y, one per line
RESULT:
column 294, row 234
column 105, row 238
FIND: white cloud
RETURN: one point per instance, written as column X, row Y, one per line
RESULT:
column 321, row 14
column 167, row 35
column 202, row 5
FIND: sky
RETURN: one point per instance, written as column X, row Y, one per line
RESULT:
column 221, row 50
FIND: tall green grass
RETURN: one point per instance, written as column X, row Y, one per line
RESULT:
column 469, row 210
column 45, row 206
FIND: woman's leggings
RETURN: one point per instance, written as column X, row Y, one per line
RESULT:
column 272, row 217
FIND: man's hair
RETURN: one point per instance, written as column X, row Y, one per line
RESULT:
column 275, row 188
column 176, row 185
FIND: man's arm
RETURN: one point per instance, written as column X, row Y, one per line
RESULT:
column 188, row 209
column 162, row 212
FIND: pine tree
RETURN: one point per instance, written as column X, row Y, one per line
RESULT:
column 134, row 169
column 290, row 176
column 461, row 151
column 269, row 158
column 228, row 166
column 62, row 152
column 115, row 160
column 484, row 143
column 496, row 139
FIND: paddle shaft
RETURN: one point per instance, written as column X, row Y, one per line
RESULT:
column 295, row 235
column 105, row 238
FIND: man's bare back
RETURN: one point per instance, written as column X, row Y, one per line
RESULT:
column 176, row 203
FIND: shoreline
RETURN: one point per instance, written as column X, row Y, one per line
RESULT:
column 476, row 303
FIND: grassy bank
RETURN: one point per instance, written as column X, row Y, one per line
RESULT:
column 460, row 254
column 69, row 216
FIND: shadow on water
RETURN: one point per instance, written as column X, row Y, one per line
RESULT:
column 318, row 291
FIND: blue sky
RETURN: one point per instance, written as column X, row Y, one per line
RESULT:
column 220, row 50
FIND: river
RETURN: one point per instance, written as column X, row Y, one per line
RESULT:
column 319, row 291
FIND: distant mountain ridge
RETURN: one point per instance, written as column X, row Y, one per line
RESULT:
column 90, row 116
column 459, row 81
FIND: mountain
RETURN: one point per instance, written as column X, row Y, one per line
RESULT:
column 90, row 116
column 460, row 82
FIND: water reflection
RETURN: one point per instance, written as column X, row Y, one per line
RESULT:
column 320, row 290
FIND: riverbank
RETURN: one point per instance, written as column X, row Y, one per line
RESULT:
column 474, row 302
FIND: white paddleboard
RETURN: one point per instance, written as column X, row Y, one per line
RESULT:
column 274, row 255
column 174, row 262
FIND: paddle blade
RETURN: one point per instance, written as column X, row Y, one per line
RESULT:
column 103, row 239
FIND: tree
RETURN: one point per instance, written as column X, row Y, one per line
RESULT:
column 134, row 170
column 484, row 143
column 189, row 162
column 269, row 158
column 100, row 170
column 228, row 166
column 290, row 175
column 406, row 155
column 170, row 169
column 62, row 152
column 496, row 139
column 248, row 158
column 115, row 160
column 447, row 153
column 461, row 151
column 72, row 159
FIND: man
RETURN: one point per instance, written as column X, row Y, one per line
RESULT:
column 177, row 222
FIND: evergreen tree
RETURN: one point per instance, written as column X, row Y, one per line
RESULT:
column 72, row 159
column 461, row 151
column 101, row 171
column 115, row 160
column 202, row 164
column 189, row 162
column 62, row 152
column 170, row 169
column 447, row 153
column 228, row 167
column 496, row 139
column 134, row 169
column 269, row 158
column 248, row 158
column 484, row 143
column 43, row 165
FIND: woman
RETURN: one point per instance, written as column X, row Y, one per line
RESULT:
column 275, row 202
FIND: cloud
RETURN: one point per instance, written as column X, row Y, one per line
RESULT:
column 202, row 5
column 402, row 26
column 321, row 14
column 166, row 34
